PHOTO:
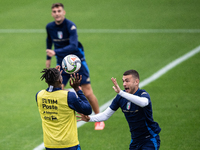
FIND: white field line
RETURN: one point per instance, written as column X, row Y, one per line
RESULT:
column 145, row 82
column 107, row 31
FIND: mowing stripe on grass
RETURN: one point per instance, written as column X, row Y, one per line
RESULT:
column 145, row 82
column 107, row 31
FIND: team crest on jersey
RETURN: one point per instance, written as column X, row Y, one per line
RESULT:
column 128, row 105
column 60, row 34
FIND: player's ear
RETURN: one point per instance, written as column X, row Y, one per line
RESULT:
column 60, row 80
column 137, row 81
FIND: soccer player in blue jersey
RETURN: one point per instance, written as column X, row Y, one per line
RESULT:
column 57, row 110
column 136, row 105
column 62, row 33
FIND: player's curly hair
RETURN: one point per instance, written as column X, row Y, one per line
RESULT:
column 50, row 75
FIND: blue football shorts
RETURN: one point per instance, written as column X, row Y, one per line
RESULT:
column 84, row 71
column 152, row 143
column 77, row 147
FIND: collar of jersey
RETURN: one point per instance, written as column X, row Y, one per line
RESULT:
column 136, row 92
column 61, row 23
column 54, row 89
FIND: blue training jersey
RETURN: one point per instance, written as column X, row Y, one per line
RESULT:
column 140, row 119
column 64, row 37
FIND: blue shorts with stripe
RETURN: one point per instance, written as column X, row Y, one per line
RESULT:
column 84, row 71
column 77, row 147
column 152, row 143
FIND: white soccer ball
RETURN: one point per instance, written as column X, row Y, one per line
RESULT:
column 71, row 64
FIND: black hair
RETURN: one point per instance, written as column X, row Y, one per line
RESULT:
column 50, row 75
column 134, row 73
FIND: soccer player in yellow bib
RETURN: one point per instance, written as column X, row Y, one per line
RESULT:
column 57, row 110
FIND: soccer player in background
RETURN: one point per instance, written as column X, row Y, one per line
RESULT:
column 136, row 105
column 57, row 110
column 62, row 33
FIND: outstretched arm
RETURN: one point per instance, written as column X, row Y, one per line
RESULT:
column 140, row 101
column 98, row 117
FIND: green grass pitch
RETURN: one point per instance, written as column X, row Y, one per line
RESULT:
column 175, row 96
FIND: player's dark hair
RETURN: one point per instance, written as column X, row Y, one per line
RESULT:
column 57, row 5
column 50, row 75
column 134, row 73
